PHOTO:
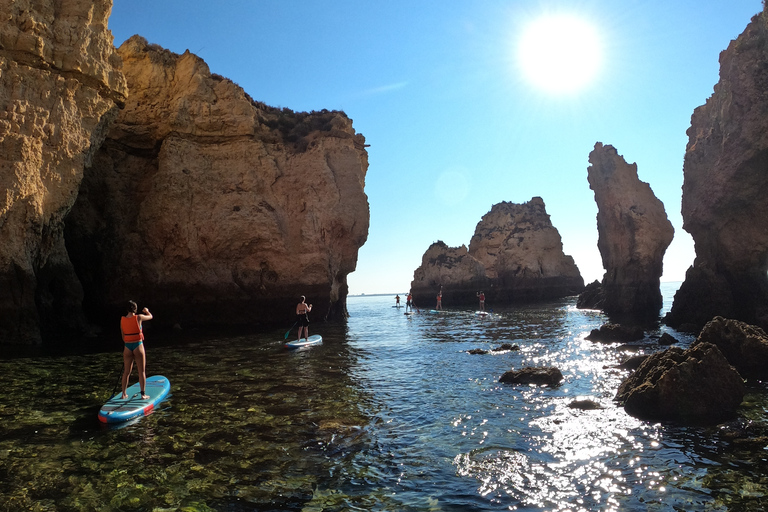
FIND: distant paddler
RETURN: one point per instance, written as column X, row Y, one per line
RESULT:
column 302, row 318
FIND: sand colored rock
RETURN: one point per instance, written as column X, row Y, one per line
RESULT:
column 60, row 87
column 634, row 233
column 515, row 255
column 451, row 269
column 725, row 190
column 213, row 208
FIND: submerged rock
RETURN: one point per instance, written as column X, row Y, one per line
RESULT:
column 546, row 376
column 585, row 405
column 744, row 346
column 634, row 233
column 697, row 385
column 724, row 204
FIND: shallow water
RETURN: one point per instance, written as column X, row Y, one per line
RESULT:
column 389, row 413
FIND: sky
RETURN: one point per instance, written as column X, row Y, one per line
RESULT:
column 466, row 104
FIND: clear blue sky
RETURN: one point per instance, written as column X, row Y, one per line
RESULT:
column 453, row 122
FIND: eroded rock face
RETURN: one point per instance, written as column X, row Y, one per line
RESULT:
column 212, row 208
column 515, row 255
column 450, row 269
column 60, row 87
column 634, row 233
column 725, row 190
column 697, row 385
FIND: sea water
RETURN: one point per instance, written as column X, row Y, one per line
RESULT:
column 391, row 413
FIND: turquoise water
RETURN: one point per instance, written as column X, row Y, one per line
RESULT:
column 389, row 413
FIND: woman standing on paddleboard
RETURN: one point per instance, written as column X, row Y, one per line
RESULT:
column 133, row 337
column 302, row 308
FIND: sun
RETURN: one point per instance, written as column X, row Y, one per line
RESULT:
column 559, row 53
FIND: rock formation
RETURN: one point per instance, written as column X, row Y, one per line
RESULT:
column 725, row 191
column 212, row 208
column 634, row 234
column 692, row 386
column 544, row 376
column 515, row 255
column 744, row 346
column 451, row 269
column 60, row 87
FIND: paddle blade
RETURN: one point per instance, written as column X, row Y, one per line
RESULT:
column 288, row 332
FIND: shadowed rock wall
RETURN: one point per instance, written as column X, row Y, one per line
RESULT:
column 725, row 191
column 212, row 208
column 60, row 87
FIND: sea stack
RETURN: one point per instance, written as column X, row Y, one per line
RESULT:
column 214, row 208
column 60, row 87
column 515, row 255
column 725, row 191
column 633, row 235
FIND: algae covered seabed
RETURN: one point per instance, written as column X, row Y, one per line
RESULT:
column 389, row 413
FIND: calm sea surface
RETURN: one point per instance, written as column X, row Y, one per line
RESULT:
column 390, row 413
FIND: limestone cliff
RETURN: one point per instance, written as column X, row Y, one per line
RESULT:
column 60, row 87
column 212, row 208
column 725, row 190
column 452, row 269
column 633, row 235
column 515, row 255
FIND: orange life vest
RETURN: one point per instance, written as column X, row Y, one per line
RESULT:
column 131, row 329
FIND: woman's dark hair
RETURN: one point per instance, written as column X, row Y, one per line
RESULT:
column 132, row 307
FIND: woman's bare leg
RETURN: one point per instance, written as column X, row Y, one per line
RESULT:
column 127, row 368
column 141, row 366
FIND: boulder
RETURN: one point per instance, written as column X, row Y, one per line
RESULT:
column 724, row 202
column 634, row 233
column 213, row 208
column 667, row 339
column 744, row 346
column 60, row 88
column 592, row 297
column 546, row 376
column 585, row 405
column 693, row 386
column 612, row 333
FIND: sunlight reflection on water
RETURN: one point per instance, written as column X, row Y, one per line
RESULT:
column 389, row 413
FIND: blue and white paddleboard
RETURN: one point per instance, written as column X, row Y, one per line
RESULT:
column 315, row 339
column 117, row 409
column 482, row 313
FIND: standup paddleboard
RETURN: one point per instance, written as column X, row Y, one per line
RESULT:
column 118, row 409
column 315, row 339
column 482, row 313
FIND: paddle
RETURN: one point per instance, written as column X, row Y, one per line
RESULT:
column 289, row 331
column 119, row 380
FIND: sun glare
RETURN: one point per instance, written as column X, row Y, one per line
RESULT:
column 559, row 53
